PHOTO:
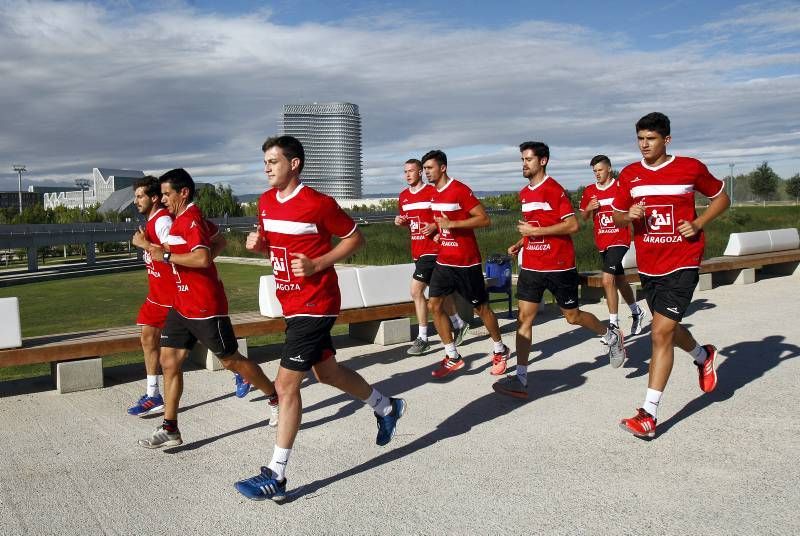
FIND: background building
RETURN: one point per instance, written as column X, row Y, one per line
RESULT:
column 104, row 183
column 331, row 137
column 11, row 200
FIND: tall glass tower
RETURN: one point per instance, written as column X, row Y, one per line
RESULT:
column 331, row 137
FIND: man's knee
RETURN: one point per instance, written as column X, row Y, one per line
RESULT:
column 436, row 304
column 609, row 282
column 286, row 387
column 572, row 316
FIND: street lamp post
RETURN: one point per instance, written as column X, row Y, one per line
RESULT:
column 83, row 184
column 20, row 169
column 731, row 166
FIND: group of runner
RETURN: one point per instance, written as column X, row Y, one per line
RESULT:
column 654, row 197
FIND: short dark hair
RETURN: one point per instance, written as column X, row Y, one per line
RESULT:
column 150, row 184
column 437, row 155
column 655, row 121
column 540, row 149
column 179, row 179
column 599, row 158
column 291, row 147
column 415, row 162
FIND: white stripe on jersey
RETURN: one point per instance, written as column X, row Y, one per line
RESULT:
column 289, row 227
column 662, row 189
column 174, row 240
column 445, row 207
column 536, row 205
column 605, row 202
column 417, row 206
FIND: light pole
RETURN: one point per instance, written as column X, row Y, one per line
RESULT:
column 731, row 166
column 20, row 169
column 83, row 184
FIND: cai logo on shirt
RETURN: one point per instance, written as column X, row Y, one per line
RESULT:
column 280, row 263
column 606, row 220
column 414, row 225
column 660, row 219
column 535, row 239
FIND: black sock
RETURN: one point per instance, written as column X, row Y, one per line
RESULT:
column 170, row 425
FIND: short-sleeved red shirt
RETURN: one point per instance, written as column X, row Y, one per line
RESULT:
column 457, row 247
column 416, row 206
column 544, row 205
column 606, row 234
column 667, row 191
column 159, row 274
column 303, row 222
column 200, row 293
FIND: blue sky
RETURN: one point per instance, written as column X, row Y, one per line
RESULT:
column 155, row 85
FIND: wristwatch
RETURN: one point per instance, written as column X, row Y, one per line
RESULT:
column 167, row 255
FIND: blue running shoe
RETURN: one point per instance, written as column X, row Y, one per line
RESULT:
column 262, row 486
column 242, row 386
column 147, row 405
column 388, row 425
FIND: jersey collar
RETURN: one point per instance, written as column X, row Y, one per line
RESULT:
column 660, row 166
column 290, row 196
column 607, row 186
column 544, row 180
column 451, row 181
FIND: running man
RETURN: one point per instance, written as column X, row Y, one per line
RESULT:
column 200, row 309
column 548, row 263
column 296, row 225
column 657, row 196
column 153, row 313
column 613, row 243
column 414, row 205
column 457, row 212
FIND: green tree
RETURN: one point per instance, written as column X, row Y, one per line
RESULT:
column 217, row 201
column 575, row 196
column 793, row 187
column 764, row 182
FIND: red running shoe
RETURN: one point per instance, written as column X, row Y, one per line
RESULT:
column 641, row 425
column 499, row 362
column 707, row 374
column 447, row 366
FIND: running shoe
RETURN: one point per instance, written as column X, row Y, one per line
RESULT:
column 262, row 486
column 641, row 425
column 388, row 425
column 419, row 347
column 460, row 333
column 273, row 410
column 511, row 386
column 638, row 321
column 242, row 386
column 706, row 372
column 616, row 345
column 499, row 362
column 147, row 405
column 161, row 438
column 447, row 366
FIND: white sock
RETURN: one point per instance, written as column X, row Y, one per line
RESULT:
column 379, row 403
column 613, row 319
column 651, row 401
column 522, row 374
column 456, row 321
column 450, row 350
column 280, row 457
column 152, row 384
column 699, row 354
column 635, row 309
column 423, row 332
column 499, row 347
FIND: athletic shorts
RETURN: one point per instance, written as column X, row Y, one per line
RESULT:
column 152, row 314
column 670, row 295
column 215, row 333
column 424, row 268
column 467, row 281
column 563, row 285
column 308, row 342
column 612, row 259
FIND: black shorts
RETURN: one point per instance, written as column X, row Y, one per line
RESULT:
column 308, row 341
column 467, row 281
column 424, row 268
column 214, row 333
column 670, row 295
column 612, row 259
column 564, row 286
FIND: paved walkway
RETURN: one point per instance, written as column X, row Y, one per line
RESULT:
column 465, row 461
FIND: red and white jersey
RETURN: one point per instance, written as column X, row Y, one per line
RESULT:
column 200, row 293
column 159, row 274
column 667, row 192
column 544, row 205
column 303, row 222
column 457, row 247
column 606, row 234
column 416, row 206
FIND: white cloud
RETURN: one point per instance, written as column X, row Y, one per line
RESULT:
column 86, row 85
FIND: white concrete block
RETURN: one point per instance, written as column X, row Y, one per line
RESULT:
column 383, row 285
column 748, row 243
column 205, row 358
column 383, row 332
column 351, row 292
column 629, row 260
column 746, row 276
column 268, row 304
column 77, row 375
column 706, row 282
column 783, row 239
column 10, row 328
